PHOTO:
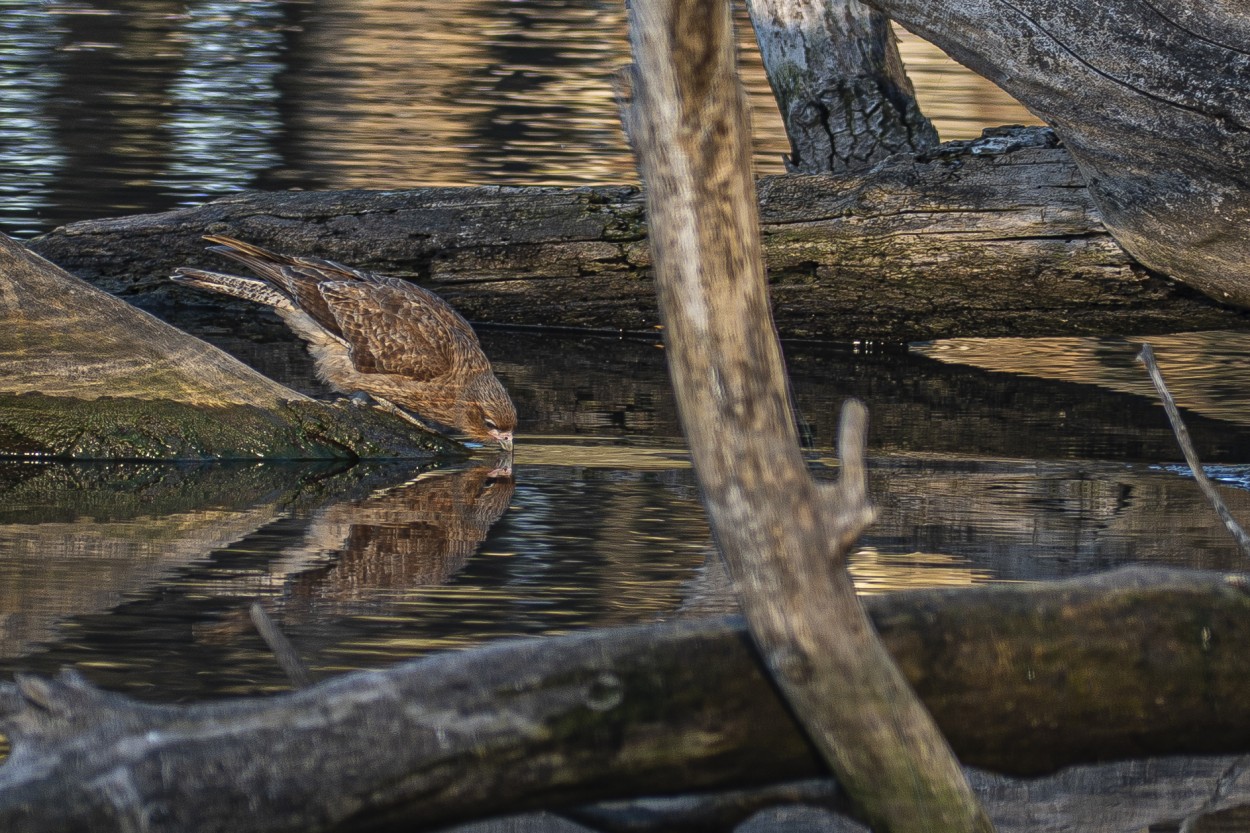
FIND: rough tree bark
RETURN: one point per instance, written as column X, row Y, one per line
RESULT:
column 1150, row 98
column 785, row 540
column 992, row 238
column 1022, row 678
column 840, row 84
column 86, row 376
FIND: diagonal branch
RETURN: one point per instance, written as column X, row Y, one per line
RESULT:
column 1147, row 357
column 784, row 539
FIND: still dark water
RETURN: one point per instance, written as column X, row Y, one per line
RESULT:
column 1008, row 460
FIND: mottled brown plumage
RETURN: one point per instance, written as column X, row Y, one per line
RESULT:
column 399, row 343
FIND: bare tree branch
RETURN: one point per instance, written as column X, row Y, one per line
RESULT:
column 784, row 540
column 1147, row 357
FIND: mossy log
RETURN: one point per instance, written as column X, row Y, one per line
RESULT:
column 1022, row 679
column 84, row 375
column 997, row 237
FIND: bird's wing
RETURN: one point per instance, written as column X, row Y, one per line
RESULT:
column 392, row 326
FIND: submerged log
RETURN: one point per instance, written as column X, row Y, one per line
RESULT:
column 84, row 375
column 1022, row 679
column 1152, row 101
column 996, row 237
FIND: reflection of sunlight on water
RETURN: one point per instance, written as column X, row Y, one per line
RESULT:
column 574, row 451
column 224, row 120
column 877, row 572
column 958, row 102
column 1207, row 372
column 147, row 111
column 31, row 156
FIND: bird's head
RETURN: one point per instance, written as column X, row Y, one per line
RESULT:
column 489, row 414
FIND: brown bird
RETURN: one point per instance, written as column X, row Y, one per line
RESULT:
column 401, row 344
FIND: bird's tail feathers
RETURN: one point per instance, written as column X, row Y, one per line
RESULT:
column 249, row 289
column 269, row 265
column 227, row 245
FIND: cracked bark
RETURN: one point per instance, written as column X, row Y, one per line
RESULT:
column 1153, row 107
column 840, row 84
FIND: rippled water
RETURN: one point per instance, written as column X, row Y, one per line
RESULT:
column 112, row 107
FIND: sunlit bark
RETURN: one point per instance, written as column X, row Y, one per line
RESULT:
column 785, row 539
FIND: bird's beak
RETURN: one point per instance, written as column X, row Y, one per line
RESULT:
column 504, row 438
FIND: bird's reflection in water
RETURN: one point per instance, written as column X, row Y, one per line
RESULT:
column 418, row 533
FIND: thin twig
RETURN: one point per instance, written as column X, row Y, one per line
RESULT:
column 1147, row 357
column 290, row 662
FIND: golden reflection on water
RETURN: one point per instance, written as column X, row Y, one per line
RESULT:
column 1207, row 372
column 573, row 451
column 136, row 111
column 959, row 102
column 876, row 572
column 524, row 95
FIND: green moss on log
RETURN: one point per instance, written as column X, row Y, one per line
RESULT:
column 34, row 425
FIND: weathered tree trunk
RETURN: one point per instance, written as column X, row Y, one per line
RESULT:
column 1150, row 98
column 785, row 540
column 86, row 376
column 844, row 96
column 997, row 237
column 1021, row 678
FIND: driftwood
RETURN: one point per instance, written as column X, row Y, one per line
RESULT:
column 86, row 376
column 784, row 537
column 997, row 237
column 1022, row 679
column 1150, row 98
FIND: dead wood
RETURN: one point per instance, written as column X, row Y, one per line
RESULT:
column 1022, row 679
column 1147, row 357
column 997, row 237
column 84, row 375
column 840, row 84
column 1150, row 99
column 784, row 539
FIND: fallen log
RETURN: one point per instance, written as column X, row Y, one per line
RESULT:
column 1151, row 100
column 1021, row 679
column 996, row 237
column 1206, row 794
column 86, row 376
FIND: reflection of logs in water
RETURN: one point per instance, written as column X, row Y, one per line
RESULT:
column 418, row 533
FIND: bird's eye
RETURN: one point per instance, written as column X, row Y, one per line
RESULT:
column 490, row 423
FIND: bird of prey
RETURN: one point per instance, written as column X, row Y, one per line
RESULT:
column 386, row 337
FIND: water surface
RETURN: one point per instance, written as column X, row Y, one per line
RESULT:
column 141, row 574
column 111, row 107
